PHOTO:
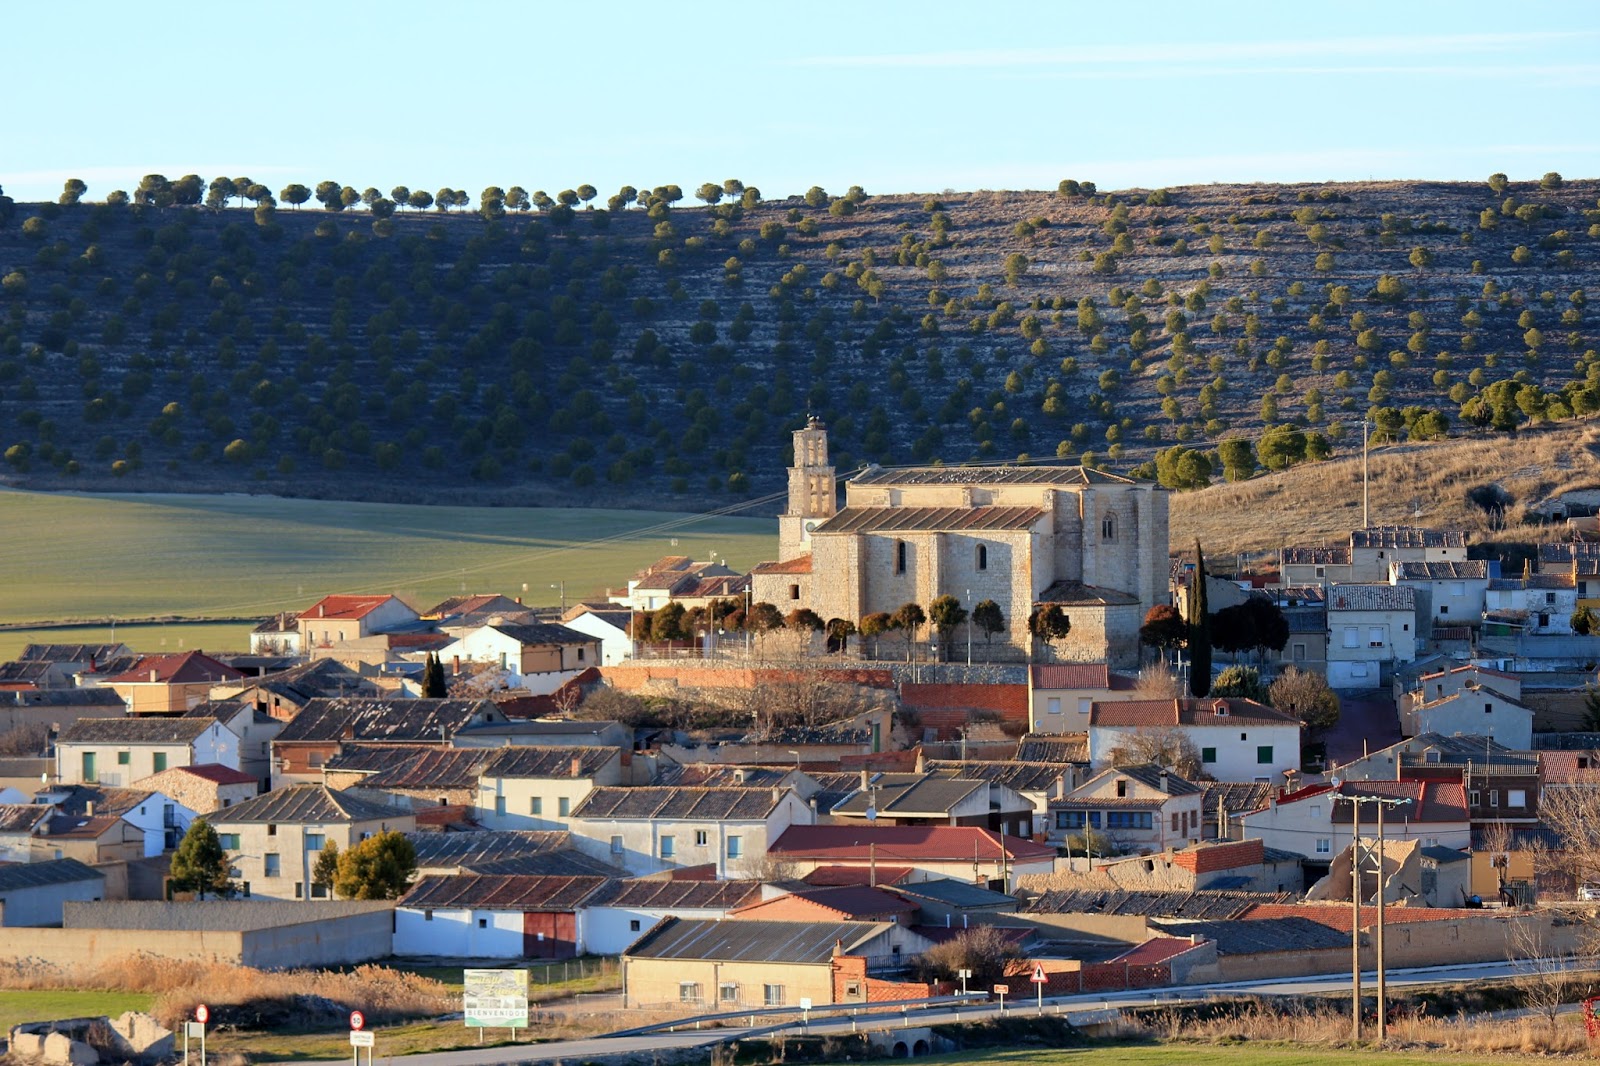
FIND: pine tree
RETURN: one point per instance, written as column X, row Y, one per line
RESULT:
column 1199, row 630
column 200, row 864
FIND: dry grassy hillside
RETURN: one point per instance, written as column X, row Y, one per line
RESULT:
column 1419, row 484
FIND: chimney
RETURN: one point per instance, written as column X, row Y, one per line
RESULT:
column 866, row 779
column 921, row 762
column 777, row 795
column 738, row 775
column 88, row 808
column 321, row 613
column 519, row 601
column 154, row 675
column 838, row 948
column 455, row 665
column 1164, row 779
column 1061, row 786
column 577, row 765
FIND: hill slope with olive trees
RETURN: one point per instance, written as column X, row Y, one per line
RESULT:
column 653, row 353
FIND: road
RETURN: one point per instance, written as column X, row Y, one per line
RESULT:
column 1080, row 1008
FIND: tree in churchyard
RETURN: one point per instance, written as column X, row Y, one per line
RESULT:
column 380, row 867
column 1163, row 628
column 1049, row 623
column 1199, row 629
column 874, row 626
column 200, row 864
column 947, row 616
column 989, row 619
column 909, row 617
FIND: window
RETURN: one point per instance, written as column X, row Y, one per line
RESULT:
column 272, row 829
column 983, row 557
column 899, row 556
column 1322, row 571
column 1549, row 597
column 1069, row 819
column 1458, row 588
column 1494, row 797
column 1208, row 755
column 1352, row 636
column 1122, row 789
column 1488, row 708
column 688, row 992
column 1174, row 821
column 314, row 841
column 1263, row 754
column 1516, row 797
column 319, row 891
column 1299, row 653
column 314, row 759
column 536, row 805
column 794, row 592
column 297, row 889
column 229, row 841
column 1375, row 636
column 616, row 845
column 1094, row 819
column 1052, row 705
column 633, row 925
column 772, row 995
column 483, row 923
column 1475, row 797
column 728, row 992
column 580, row 655
column 1324, row 846
column 158, row 761
column 427, row 915
column 122, row 758
column 270, row 864
column 1443, row 609
column 668, row 847
column 700, row 838
column 563, row 807
column 1085, row 705
column 1316, row 810
column 1108, row 527
column 735, row 847
column 499, row 805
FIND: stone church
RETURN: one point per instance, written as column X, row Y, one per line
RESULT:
column 1093, row 542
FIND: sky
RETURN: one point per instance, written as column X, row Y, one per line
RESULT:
column 896, row 97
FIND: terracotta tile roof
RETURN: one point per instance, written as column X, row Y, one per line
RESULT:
column 1073, row 675
column 930, row 843
column 857, row 875
column 1189, row 712
column 344, row 606
column 800, row 564
column 1571, row 767
column 1053, row 747
column 1155, row 951
column 185, row 668
column 1220, row 855
column 82, row 827
column 1040, row 474
column 1337, row 915
column 501, row 892
column 1431, row 801
column 851, row 902
column 1077, row 594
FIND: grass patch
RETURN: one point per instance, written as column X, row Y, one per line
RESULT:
column 1123, row 1054
column 67, row 554
column 48, row 1005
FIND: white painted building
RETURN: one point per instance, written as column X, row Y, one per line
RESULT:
column 537, row 656
column 648, row 830
column 1447, row 593
column 1370, row 629
column 608, row 626
column 1314, row 822
column 626, row 910
column 1534, row 603
column 539, row 788
column 1473, row 712
column 118, row 751
column 494, row 916
column 1238, row 740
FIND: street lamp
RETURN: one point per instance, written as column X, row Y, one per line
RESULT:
column 562, row 585
column 968, row 596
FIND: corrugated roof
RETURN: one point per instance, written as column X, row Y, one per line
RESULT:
column 15, row 876
column 307, row 803
column 805, row 943
column 954, row 893
column 1431, row 801
column 501, row 892
column 699, row 804
column 359, row 718
column 924, row 519
column 135, row 731
column 72, row 653
column 1041, row 474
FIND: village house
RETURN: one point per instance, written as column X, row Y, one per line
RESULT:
column 494, row 916
column 323, row 726
column 544, row 733
column 19, row 824
column 255, row 729
column 1036, row 782
column 1137, row 808
column 935, row 798
column 1314, row 565
column 623, row 911
column 1307, row 647
column 538, row 787
column 1533, row 604
column 90, row 837
column 832, row 903
column 1447, row 594
column 1368, row 555
column 650, row 829
column 545, row 853
column 162, row 819
column 786, row 585
column 964, row 853
column 281, row 694
column 1313, row 821
column 203, row 788
column 1238, row 740
column 538, row 656
column 1092, row 542
column 1371, row 629
column 1434, row 685
column 1503, row 784
column 278, row 635
column 1208, row 866
column 32, row 894
column 119, row 751
column 680, row 579
column 479, row 609
column 274, row 839
column 169, row 684
column 411, row 779
column 1477, row 711
column 54, row 708
column 1060, row 694
column 731, row 965
column 605, row 623
column 338, row 619
column 68, row 661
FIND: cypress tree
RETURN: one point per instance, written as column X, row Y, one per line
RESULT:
column 433, row 686
column 1199, row 630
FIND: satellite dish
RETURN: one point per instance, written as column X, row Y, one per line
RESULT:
column 872, row 814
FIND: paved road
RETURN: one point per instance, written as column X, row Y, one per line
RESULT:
column 1367, row 722
column 1081, row 1008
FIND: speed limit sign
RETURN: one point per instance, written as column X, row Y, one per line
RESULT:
column 202, row 1014
column 357, row 1020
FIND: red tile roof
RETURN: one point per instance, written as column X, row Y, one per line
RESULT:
column 1079, row 675
column 1563, row 767
column 1155, row 951
column 181, row 669
column 1191, row 712
column 1222, row 855
column 853, row 902
column 218, row 774
column 345, row 606
column 825, row 876
column 932, row 843
column 1431, row 801
column 800, row 564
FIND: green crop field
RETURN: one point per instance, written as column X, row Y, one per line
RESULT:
column 101, row 556
column 32, row 1005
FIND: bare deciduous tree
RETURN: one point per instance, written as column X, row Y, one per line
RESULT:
column 1158, row 682
column 990, row 954
column 1163, row 746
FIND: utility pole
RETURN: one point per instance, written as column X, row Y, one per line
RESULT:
column 1366, row 514
column 1355, row 909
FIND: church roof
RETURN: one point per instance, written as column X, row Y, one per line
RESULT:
column 1044, row 474
column 878, row 519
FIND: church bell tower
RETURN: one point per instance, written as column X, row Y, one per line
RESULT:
column 813, row 495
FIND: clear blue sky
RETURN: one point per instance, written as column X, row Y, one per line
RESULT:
column 896, row 97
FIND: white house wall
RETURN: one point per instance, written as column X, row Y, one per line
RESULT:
column 1235, row 748
column 457, row 934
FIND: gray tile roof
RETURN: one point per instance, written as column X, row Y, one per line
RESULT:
column 528, row 633
column 1077, row 594
column 434, row 769
column 1151, row 904
column 952, row 893
column 1466, row 570
column 1315, row 556
column 501, row 892
column 62, row 697
column 1406, row 537
column 1262, row 935
column 910, row 795
column 72, row 653
column 357, row 718
column 135, row 730
column 1060, row 748
column 699, row 804
column 307, row 803
column 1159, row 779
column 915, row 519
column 21, row 817
column 15, row 876
column 442, row 850
column 539, row 762
column 649, row 894
column 751, row 941
column 1014, row 774
column 1372, row 598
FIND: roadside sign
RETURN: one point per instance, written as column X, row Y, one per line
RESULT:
column 1001, row 990
column 361, row 1038
column 194, row 1029
column 495, row 999
column 1038, row 977
column 202, row 1014
column 805, row 1002
column 358, row 1021
column 963, row 974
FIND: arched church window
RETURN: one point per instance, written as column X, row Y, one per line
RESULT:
column 1108, row 527
column 983, row 557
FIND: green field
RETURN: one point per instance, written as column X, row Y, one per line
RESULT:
column 1255, row 1053
column 98, row 556
column 18, row 1006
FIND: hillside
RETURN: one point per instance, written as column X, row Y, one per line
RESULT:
column 658, row 356
column 1488, row 486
